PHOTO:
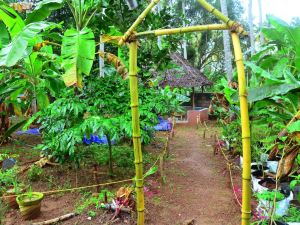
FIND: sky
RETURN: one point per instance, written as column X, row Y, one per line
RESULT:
column 284, row 9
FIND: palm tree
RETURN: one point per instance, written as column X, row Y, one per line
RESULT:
column 260, row 22
column 251, row 33
column 226, row 42
column 184, row 40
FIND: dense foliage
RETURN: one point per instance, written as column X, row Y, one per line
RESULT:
column 274, row 81
column 101, row 107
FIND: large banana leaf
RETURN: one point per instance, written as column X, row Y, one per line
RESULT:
column 78, row 53
column 12, row 53
column 43, row 9
column 285, row 34
column 11, row 19
column 42, row 99
column 4, row 36
column 268, row 91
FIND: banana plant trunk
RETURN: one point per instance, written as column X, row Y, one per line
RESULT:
column 136, row 133
column 246, row 192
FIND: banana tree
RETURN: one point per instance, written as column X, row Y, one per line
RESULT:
column 78, row 45
column 24, row 60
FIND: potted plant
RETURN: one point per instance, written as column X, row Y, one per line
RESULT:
column 30, row 204
column 10, row 195
column 295, row 187
column 266, row 202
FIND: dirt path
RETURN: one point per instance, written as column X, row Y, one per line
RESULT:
column 197, row 185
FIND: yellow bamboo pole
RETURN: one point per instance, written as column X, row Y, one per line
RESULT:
column 232, row 24
column 182, row 30
column 137, row 22
column 246, row 190
column 136, row 133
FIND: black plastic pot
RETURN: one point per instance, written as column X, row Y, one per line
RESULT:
column 285, row 188
column 259, row 174
column 259, row 167
column 295, row 203
column 267, row 182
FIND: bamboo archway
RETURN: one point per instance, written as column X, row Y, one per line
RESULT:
column 131, row 38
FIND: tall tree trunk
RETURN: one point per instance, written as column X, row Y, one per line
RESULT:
column 226, row 42
column 184, row 40
column 250, row 22
column 261, row 36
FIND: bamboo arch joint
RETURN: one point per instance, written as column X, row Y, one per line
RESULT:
column 140, row 18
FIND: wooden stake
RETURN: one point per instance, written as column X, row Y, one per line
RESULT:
column 55, row 220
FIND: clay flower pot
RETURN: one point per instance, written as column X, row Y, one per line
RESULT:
column 10, row 197
column 30, row 204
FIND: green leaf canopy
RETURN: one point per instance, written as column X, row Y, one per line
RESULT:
column 11, row 19
column 43, row 9
column 12, row 53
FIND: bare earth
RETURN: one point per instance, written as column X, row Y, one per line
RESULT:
column 197, row 185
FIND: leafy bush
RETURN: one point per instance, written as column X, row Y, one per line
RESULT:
column 35, row 173
column 273, row 88
column 8, row 178
column 102, row 107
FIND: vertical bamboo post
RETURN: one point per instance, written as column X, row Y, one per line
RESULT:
column 246, row 191
column 136, row 133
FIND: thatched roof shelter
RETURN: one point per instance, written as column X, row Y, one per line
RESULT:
column 184, row 76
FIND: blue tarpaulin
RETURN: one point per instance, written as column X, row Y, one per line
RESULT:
column 33, row 131
column 95, row 139
column 164, row 125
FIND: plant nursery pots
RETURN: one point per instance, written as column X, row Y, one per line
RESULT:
column 281, row 206
column 258, row 166
column 10, row 197
column 296, row 204
column 256, row 177
column 268, row 183
column 30, row 204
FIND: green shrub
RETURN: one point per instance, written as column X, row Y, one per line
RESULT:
column 35, row 173
column 8, row 178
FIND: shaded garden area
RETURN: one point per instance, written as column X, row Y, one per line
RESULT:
column 99, row 122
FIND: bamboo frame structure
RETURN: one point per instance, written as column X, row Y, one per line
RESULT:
column 137, row 22
column 182, row 30
column 130, row 37
column 136, row 133
column 246, row 175
column 232, row 24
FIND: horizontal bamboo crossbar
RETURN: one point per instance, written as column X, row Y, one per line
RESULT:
column 181, row 30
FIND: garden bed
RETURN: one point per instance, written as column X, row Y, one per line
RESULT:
column 65, row 176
